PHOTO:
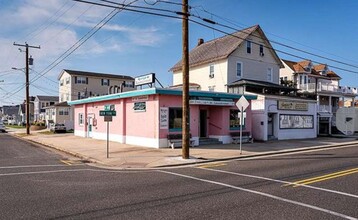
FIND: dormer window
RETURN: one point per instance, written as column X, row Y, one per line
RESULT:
column 248, row 46
column 308, row 68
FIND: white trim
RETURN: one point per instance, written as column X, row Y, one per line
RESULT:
column 226, row 139
column 142, row 141
column 242, row 70
column 80, row 133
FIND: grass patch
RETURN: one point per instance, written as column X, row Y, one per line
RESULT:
column 45, row 132
column 15, row 126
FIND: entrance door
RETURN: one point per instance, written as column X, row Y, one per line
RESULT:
column 203, row 123
column 90, row 124
column 270, row 126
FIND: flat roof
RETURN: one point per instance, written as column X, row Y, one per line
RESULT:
column 153, row 91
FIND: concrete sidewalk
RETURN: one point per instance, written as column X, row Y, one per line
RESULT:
column 128, row 156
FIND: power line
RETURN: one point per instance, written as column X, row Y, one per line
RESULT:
column 275, row 42
column 245, row 26
column 75, row 46
column 270, row 48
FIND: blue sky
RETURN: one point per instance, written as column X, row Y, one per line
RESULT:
column 135, row 44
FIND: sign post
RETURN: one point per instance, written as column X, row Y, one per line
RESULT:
column 108, row 114
column 242, row 104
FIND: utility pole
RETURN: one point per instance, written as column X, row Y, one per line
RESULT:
column 185, row 67
column 27, row 83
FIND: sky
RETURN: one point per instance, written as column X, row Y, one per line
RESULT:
column 135, row 44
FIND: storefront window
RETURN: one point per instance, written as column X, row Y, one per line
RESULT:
column 175, row 119
column 80, row 119
column 235, row 119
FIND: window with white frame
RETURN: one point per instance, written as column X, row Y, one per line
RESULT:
column 269, row 74
column 248, row 46
column 211, row 88
column 80, row 119
column 61, row 82
column 67, row 80
column 105, row 82
column 63, row 111
column 239, row 69
column 81, row 80
column 211, row 71
column 129, row 84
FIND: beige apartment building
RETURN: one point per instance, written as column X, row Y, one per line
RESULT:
column 74, row 85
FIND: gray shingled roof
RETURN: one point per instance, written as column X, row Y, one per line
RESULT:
column 85, row 73
column 47, row 98
column 219, row 48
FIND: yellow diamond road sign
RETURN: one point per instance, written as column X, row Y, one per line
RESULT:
column 242, row 103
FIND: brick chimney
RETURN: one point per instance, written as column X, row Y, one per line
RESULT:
column 200, row 41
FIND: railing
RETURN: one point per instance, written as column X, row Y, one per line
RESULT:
column 324, row 108
column 327, row 87
column 215, row 126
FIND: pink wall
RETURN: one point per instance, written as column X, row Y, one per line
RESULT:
column 146, row 124
column 142, row 124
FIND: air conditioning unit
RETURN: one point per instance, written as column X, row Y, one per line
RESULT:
column 211, row 75
column 262, row 54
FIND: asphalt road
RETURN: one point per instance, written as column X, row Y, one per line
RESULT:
column 37, row 183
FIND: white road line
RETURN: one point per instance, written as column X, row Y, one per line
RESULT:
column 281, row 181
column 293, row 153
column 71, row 170
column 34, row 166
column 262, row 194
column 42, row 172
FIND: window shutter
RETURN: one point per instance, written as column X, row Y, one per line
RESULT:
column 86, row 80
column 75, row 79
column 101, row 82
column 108, row 82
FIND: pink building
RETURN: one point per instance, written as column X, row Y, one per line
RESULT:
column 146, row 117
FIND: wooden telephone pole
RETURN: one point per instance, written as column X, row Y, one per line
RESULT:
column 27, row 83
column 185, row 67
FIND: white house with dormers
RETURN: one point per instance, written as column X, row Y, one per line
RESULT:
column 321, row 83
column 245, row 63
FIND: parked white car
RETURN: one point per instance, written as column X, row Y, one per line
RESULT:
column 2, row 127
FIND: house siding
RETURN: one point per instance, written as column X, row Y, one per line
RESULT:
column 200, row 75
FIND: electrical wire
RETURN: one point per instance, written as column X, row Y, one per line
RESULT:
column 75, row 46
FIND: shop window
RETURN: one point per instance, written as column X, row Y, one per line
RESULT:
column 80, row 118
column 235, row 119
column 175, row 119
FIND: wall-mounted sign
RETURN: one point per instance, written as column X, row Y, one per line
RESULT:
column 164, row 118
column 140, row 98
column 146, row 79
column 109, row 107
column 210, row 102
column 287, row 105
column 139, row 106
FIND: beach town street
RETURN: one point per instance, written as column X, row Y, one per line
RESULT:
column 37, row 183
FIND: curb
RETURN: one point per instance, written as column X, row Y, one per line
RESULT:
column 280, row 152
column 78, row 155
column 104, row 165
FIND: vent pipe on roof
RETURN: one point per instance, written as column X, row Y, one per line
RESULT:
column 200, row 41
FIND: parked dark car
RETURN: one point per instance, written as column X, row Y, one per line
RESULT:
column 58, row 128
column 2, row 127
